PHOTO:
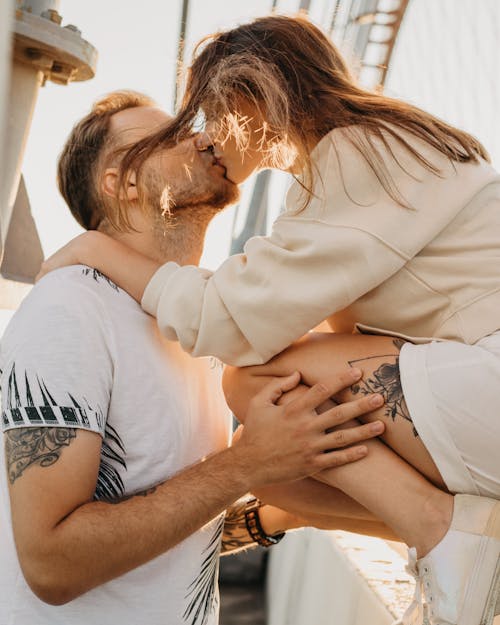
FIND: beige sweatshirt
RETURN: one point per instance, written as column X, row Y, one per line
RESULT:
column 353, row 255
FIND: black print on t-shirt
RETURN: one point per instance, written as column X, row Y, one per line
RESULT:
column 109, row 482
column 98, row 276
column 203, row 600
column 21, row 410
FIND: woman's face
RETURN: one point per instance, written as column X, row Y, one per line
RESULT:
column 241, row 142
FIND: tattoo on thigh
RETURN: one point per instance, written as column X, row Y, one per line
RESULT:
column 25, row 447
column 386, row 380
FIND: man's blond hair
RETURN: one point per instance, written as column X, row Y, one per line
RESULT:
column 82, row 161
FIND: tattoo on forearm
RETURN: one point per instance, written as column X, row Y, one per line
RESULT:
column 235, row 535
column 386, row 380
column 25, row 447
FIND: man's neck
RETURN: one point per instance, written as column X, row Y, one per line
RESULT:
column 179, row 238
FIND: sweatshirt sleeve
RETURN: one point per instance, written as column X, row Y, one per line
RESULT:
column 349, row 239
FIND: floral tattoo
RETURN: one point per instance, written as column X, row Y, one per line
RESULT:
column 25, row 447
column 386, row 381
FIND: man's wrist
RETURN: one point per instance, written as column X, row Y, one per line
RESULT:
column 241, row 468
column 253, row 521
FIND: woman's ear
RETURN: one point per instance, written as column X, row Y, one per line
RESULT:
column 110, row 184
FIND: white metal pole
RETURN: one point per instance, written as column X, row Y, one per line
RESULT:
column 6, row 12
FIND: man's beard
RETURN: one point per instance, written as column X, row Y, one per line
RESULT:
column 217, row 195
column 189, row 193
column 181, row 216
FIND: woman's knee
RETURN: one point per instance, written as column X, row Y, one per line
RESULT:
column 240, row 385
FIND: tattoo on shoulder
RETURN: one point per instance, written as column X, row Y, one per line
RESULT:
column 386, row 380
column 25, row 447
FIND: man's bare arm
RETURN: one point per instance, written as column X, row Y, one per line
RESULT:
column 235, row 535
column 61, row 535
column 275, row 520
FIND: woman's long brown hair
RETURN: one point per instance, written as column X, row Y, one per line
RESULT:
column 301, row 84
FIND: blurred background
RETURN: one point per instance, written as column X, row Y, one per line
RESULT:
column 441, row 55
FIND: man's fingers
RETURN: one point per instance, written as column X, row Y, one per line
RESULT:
column 322, row 391
column 349, row 410
column 349, row 436
column 275, row 389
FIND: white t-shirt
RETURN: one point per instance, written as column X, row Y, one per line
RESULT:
column 81, row 353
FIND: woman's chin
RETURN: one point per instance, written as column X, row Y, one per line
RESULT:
column 235, row 179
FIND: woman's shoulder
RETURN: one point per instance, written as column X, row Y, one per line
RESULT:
column 391, row 142
column 356, row 171
column 390, row 156
column 394, row 145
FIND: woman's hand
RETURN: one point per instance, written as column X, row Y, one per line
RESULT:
column 126, row 267
column 79, row 251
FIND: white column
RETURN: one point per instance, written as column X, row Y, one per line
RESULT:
column 6, row 11
column 25, row 81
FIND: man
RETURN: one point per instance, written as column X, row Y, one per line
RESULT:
column 116, row 453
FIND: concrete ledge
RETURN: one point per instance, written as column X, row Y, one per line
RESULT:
column 336, row 578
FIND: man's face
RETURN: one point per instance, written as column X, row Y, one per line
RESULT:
column 178, row 177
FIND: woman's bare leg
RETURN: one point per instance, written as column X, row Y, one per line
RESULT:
column 398, row 494
column 383, row 482
column 325, row 507
column 320, row 355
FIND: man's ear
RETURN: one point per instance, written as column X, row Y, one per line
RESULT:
column 110, row 184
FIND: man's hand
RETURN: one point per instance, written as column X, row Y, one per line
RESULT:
column 287, row 442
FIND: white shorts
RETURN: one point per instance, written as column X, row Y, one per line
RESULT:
column 452, row 392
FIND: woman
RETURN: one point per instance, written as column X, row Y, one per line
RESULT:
column 392, row 227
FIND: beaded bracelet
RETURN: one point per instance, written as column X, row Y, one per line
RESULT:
column 254, row 527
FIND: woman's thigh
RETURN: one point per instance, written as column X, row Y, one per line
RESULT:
column 321, row 355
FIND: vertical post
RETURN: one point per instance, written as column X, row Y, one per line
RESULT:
column 23, row 93
column 396, row 25
column 180, row 51
column 335, row 14
column 255, row 223
column 6, row 17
